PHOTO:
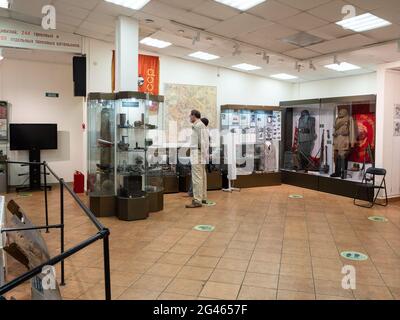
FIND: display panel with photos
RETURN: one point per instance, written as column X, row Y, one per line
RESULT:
column 3, row 121
column 332, row 137
column 259, row 132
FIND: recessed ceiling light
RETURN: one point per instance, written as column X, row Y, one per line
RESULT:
column 246, row 67
column 155, row 43
column 344, row 66
column 4, row 4
column 132, row 4
column 203, row 56
column 283, row 76
column 242, row 5
column 364, row 22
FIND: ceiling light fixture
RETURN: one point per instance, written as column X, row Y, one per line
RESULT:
column 341, row 67
column 283, row 76
column 246, row 67
column 131, row 4
column 4, row 4
column 155, row 43
column 203, row 56
column 242, row 5
column 364, row 22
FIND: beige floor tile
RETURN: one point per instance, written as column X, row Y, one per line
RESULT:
column 295, row 295
column 211, row 251
column 364, row 292
column 263, row 267
column 332, row 288
column 164, row 270
column 256, row 293
column 152, row 283
column 195, row 273
column 261, row 280
column 219, row 290
column 240, row 254
column 175, row 258
column 325, row 297
column 233, row 264
column 139, row 294
column 296, row 284
column 203, row 261
column 227, row 276
column 175, row 296
column 185, row 287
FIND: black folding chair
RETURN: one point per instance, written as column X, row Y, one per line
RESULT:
column 368, row 185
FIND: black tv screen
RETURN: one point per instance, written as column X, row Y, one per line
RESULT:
column 33, row 136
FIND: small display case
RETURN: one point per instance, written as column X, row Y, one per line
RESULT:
column 329, row 143
column 101, row 153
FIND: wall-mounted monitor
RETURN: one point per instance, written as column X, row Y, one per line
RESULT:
column 33, row 136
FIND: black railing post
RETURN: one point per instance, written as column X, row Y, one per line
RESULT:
column 62, row 229
column 45, row 194
column 107, row 276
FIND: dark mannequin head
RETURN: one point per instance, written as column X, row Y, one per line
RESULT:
column 305, row 113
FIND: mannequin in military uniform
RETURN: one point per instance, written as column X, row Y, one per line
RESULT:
column 343, row 141
column 307, row 137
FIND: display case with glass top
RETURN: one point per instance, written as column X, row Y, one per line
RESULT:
column 101, row 153
column 139, row 182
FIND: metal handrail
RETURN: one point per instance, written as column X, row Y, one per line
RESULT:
column 103, row 234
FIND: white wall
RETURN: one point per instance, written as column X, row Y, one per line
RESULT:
column 388, row 146
column 24, row 83
column 338, row 87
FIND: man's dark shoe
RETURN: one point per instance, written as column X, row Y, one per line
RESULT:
column 204, row 202
column 193, row 205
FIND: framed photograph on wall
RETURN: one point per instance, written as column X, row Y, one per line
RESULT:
column 3, row 121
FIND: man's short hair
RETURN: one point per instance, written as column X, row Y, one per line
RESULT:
column 205, row 121
column 196, row 114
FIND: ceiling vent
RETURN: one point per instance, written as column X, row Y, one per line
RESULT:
column 302, row 39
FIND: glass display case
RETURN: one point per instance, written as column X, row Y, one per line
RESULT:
column 101, row 153
column 139, row 173
column 333, row 138
column 259, row 135
column 124, row 168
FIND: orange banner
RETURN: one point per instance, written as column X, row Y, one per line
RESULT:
column 149, row 74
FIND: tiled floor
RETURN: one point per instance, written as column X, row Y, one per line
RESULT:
column 265, row 246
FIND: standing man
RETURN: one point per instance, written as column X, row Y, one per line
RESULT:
column 199, row 151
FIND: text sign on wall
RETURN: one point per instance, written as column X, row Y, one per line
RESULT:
column 23, row 35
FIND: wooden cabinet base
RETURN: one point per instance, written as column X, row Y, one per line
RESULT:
column 103, row 206
column 133, row 209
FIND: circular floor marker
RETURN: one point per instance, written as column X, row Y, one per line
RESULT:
column 24, row 194
column 210, row 204
column 378, row 219
column 296, row 196
column 353, row 255
column 204, row 228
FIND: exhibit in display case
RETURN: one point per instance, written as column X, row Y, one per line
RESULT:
column 101, row 153
column 328, row 143
column 124, row 164
column 259, row 131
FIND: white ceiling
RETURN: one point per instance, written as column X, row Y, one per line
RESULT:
column 261, row 28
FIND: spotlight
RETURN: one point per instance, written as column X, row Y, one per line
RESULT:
column 336, row 60
column 266, row 57
column 196, row 38
column 312, row 66
column 1, row 54
column 297, row 66
column 236, row 51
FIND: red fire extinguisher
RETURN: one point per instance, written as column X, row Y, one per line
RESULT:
column 79, row 182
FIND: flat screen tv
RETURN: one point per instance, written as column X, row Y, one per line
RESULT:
column 33, row 136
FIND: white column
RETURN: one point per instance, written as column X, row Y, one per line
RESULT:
column 127, row 54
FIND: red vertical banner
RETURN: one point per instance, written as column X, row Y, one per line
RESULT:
column 149, row 74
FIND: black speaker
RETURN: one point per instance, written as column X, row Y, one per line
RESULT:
column 79, row 71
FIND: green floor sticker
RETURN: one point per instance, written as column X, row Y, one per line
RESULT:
column 210, row 204
column 25, row 194
column 204, row 228
column 355, row 256
column 296, row 196
column 378, row 219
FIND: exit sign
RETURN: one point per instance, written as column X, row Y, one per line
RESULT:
column 52, row 95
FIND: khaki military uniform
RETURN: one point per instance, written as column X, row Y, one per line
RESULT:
column 199, row 152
